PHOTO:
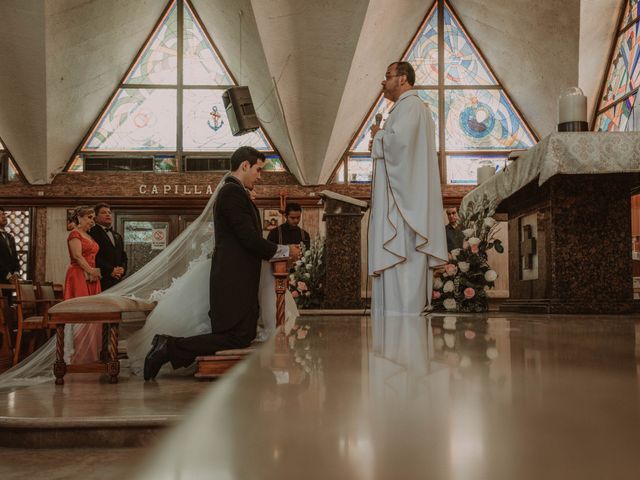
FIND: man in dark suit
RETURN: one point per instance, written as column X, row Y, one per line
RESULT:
column 290, row 232
column 111, row 258
column 235, row 271
column 455, row 238
column 9, row 263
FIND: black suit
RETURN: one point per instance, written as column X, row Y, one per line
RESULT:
column 455, row 238
column 9, row 263
column 234, row 280
column 109, row 256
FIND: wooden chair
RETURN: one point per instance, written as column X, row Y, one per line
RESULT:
column 31, row 313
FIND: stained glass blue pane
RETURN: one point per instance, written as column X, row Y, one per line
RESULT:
column 201, row 64
column 462, row 62
column 631, row 13
column 616, row 119
column 624, row 71
column 483, row 120
column 423, row 54
column 206, row 127
column 158, row 63
column 274, row 164
column 463, row 169
column 361, row 144
column 360, row 169
column 137, row 119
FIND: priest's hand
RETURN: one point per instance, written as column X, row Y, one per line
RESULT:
column 375, row 128
column 294, row 252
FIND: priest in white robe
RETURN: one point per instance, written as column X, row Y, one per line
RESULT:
column 406, row 232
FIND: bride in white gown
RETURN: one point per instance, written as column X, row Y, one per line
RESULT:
column 178, row 280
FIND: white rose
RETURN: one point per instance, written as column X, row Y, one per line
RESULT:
column 489, row 222
column 298, row 263
column 492, row 353
column 474, row 241
column 455, row 252
column 437, row 284
column 448, row 287
column 464, row 266
column 490, row 275
column 438, row 343
column 307, row 254
column 450, row 304
column 292, row 278
column 449, row 323
column 307, row 275
column 449, row 340
column 465, row 362
column 468, row 232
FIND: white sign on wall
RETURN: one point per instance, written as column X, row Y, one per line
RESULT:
column 158, row 239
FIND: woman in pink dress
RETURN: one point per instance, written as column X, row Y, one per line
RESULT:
column 83, row 279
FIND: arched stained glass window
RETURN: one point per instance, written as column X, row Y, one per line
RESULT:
column 615, row 111
column 8, row 170
column 169, row 106
column 475, row 119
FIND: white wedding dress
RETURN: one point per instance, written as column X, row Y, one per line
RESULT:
column 178, row 280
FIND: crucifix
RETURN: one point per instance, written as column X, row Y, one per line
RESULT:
column 527, row 247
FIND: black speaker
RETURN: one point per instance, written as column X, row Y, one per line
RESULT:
column 240, row 112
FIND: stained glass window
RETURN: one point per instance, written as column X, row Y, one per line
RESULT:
column 153, row 99
column 616, row 103
column 479, row 120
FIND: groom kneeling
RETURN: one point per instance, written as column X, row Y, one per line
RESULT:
column 235, row 271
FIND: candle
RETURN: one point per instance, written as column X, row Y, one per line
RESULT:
column 572, row 106
column 485, row 173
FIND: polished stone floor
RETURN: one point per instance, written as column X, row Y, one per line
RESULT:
column 495, row 397
column 503, row 397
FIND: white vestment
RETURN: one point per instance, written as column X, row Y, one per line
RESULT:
column 406, row 231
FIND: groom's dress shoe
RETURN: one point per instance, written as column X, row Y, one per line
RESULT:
column 157, row 356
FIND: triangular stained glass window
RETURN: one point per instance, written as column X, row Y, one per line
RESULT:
column 477, row 113
column 2, row 147
column 616, row 103
column 143, row 113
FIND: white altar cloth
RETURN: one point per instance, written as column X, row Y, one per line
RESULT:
column 563, row 153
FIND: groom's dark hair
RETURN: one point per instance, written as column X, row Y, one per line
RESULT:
column 249, row 154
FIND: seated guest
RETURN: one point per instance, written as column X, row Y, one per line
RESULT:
column 111, row 258
column 82, row 280
column 289, row 233
column 455, row 238
column 9, row 263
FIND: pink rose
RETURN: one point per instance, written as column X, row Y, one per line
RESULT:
column 450, row 269
column 469, row 334
column 294, row 294
column 302, row 286
column 435, row 295
column 475, row 249
column 469, row 292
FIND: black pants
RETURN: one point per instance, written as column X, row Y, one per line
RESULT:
column 183, row 351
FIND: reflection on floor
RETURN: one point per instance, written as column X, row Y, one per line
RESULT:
column 501, row 397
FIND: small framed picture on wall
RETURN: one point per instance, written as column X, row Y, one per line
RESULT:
column 270, row 219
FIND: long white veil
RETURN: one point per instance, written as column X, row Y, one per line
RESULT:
column 156, row 281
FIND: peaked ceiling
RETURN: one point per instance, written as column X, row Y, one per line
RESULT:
column 313, row 67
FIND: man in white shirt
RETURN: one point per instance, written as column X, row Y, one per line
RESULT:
column 406, row 235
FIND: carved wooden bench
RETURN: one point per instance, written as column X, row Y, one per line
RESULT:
column 107, row 310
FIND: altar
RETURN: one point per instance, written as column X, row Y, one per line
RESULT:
column 569, row 214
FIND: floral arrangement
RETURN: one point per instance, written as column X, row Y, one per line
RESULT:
column 464, row 281
column 305, row 281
